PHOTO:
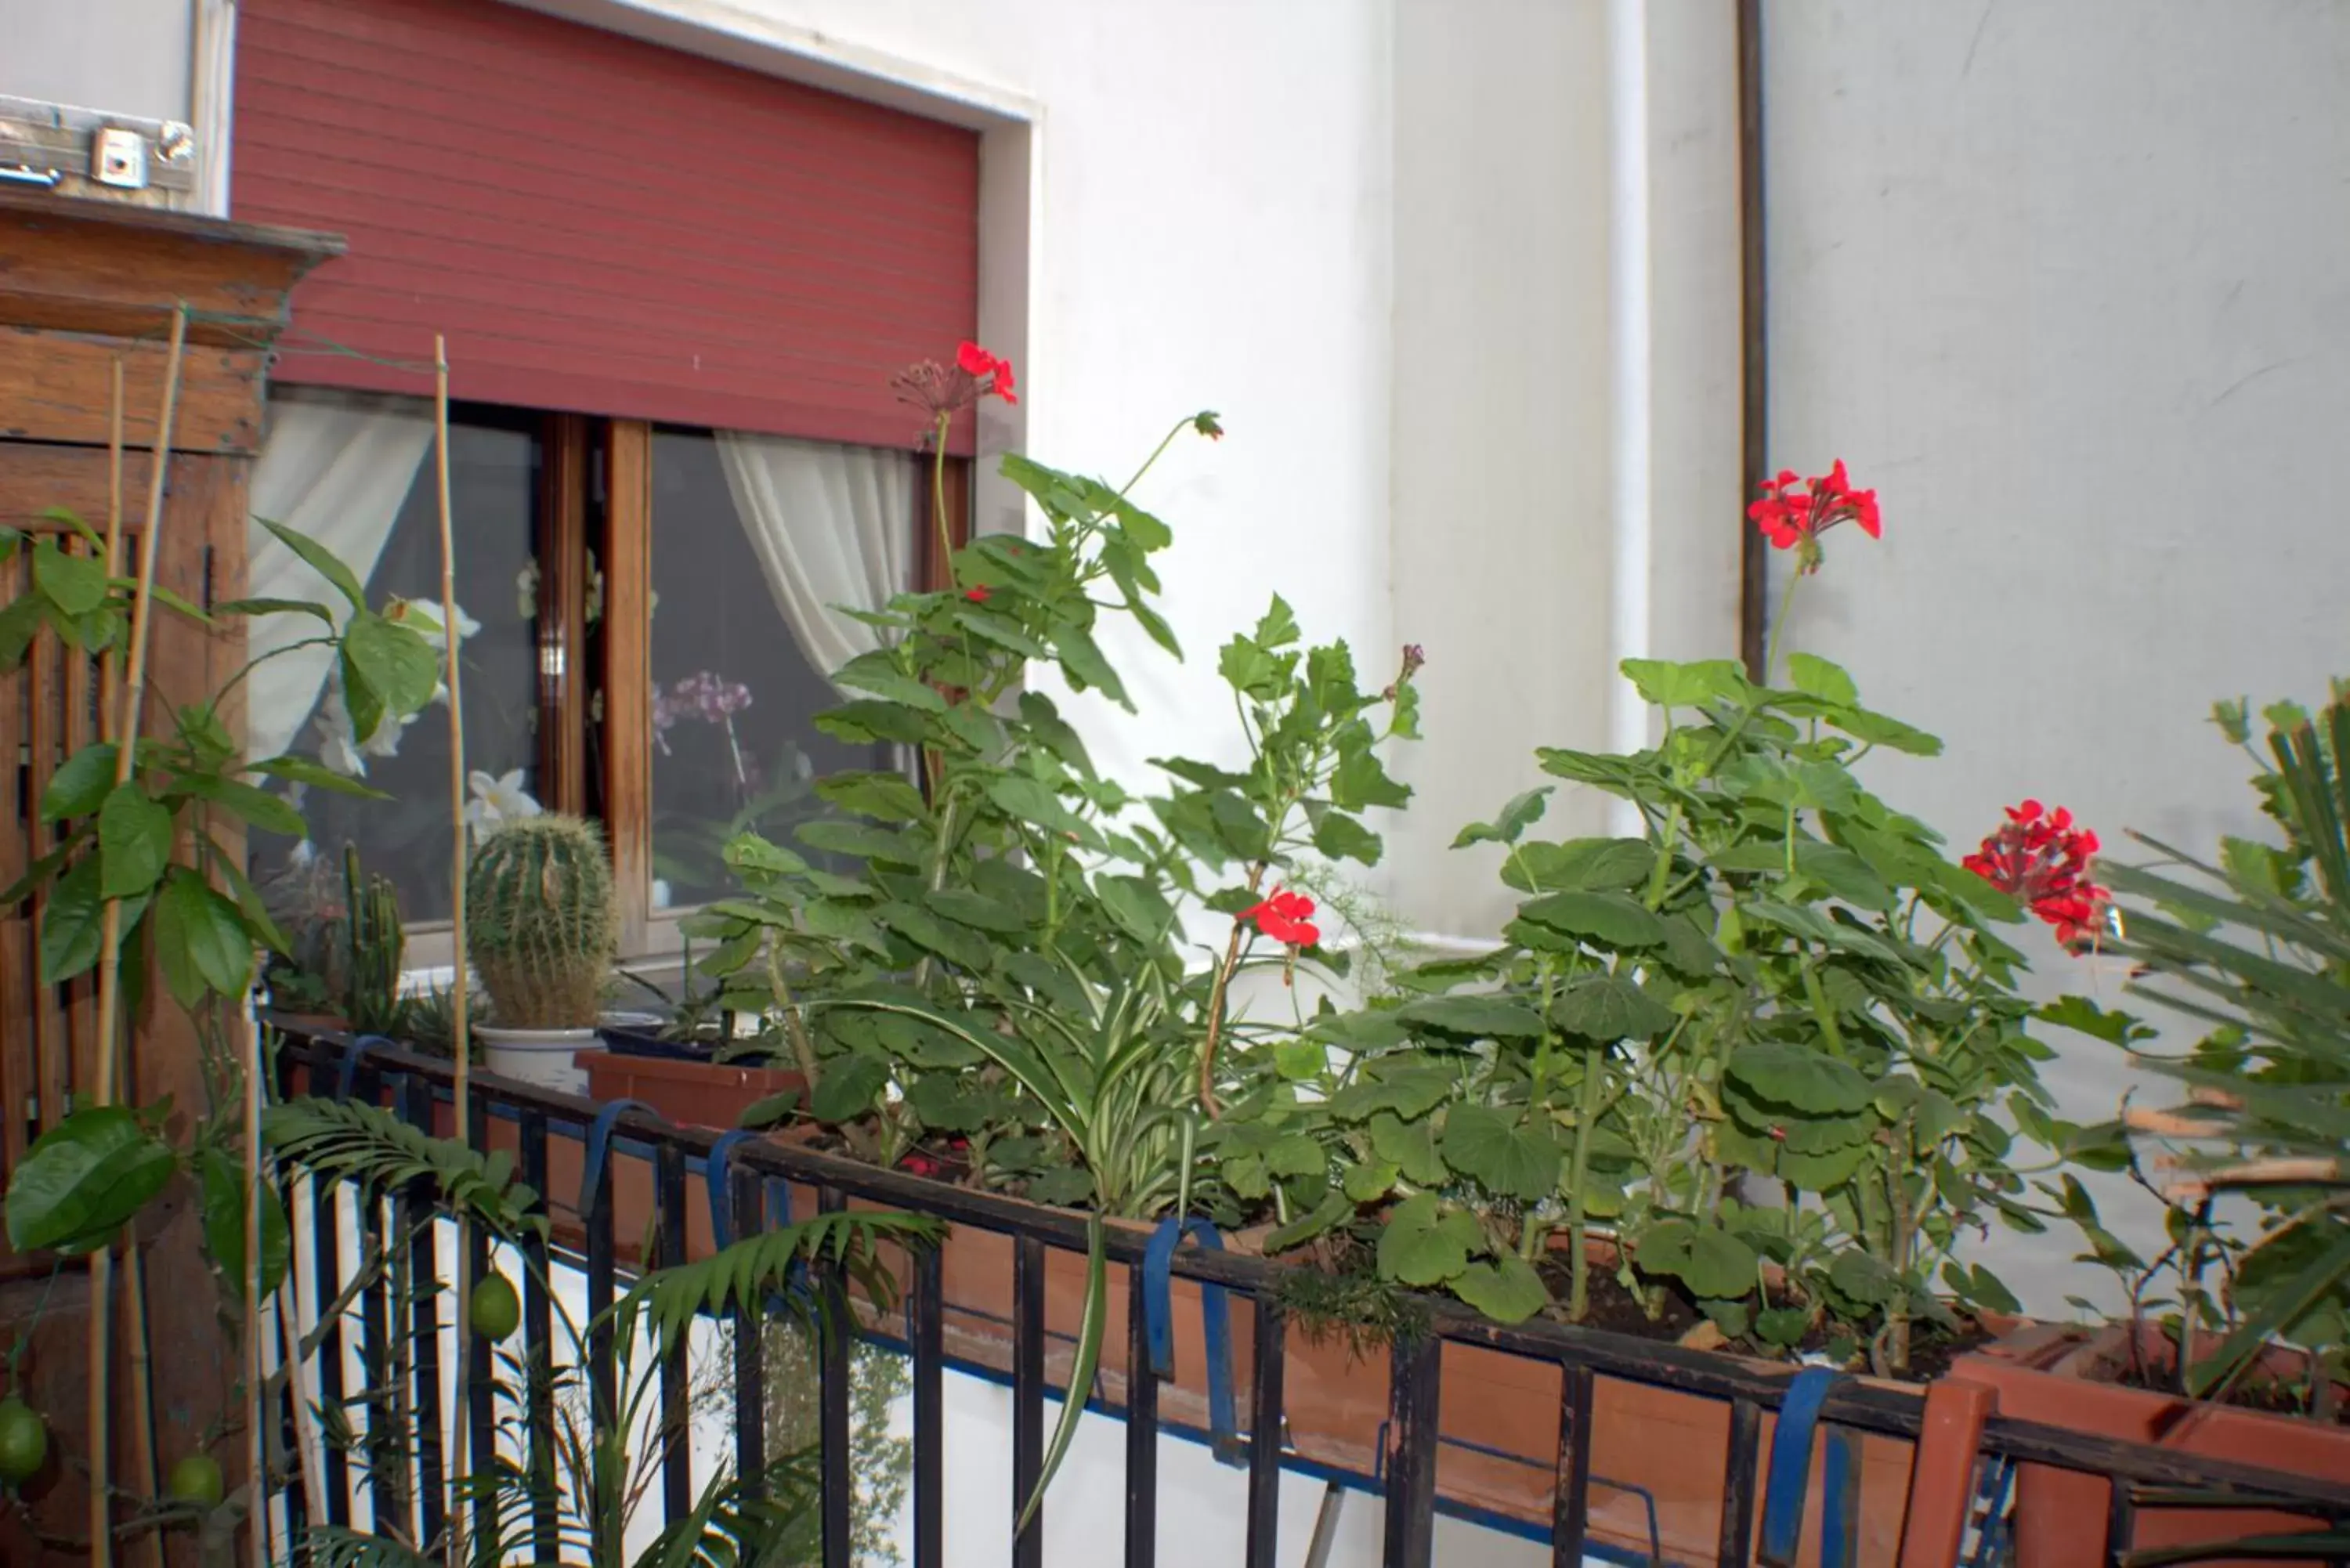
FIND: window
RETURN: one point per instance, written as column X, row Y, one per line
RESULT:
column 649, row 618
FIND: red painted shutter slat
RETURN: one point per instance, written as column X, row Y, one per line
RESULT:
column 597, row 224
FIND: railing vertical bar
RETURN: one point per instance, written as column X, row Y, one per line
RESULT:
column 677, row 1415
column 538, row 1351
column 1265, row 1431
column 603, row 1367
column 1571, row 1509
column 1741, row 1466
column 327, row 1267
column 288, row 1333
column 839, row 1468
column 420, row 1216
column 1028, row 1395
column 386, row 1445
column 1141, row 1429
column 748, row 1195
column 1415, row 1361
column 2121, row 1523
column 927, row 1337
column 481, row 1365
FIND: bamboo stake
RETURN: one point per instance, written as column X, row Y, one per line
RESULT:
column 110, row 1070
column 307, row 1437
column 109, row 953
column 256, row 1386
column 101, row 1265
column 458, row 998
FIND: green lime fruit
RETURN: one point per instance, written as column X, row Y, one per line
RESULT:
column 24, row 1441
column 495, row 1310
column 197, row 1478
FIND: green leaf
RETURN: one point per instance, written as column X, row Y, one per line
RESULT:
column 875, row 672
column 201, row 940
column 1361, row 782
column 1708, row 1260
column 1368, row 1183
column 262, row 606
column 225, row 1195
column 886, row 796
column 71, row 929
column 1339, row 836
column 1082, row 662
column 308, row 771
column 1859, row 1277
column 135, row 835
column 976, row 910
column 1805, row 1079
column 80, row 785
column 1881, row 731
column 1334, row 1209
column 1615, row 918
column 270, row 813
column 394, row 662
column 319, row 559
column 1473, row 1017
column 85, row 1178
column 1409, row 1093
column 1609, row 1007
column 1670, row 685
column 749, row 852
column 1522, row 813
column 1815, row 677
column 1580, row 865
column 848, row 1087
column 1018, row 795
column 1506, row 1289
column 75, row 583
column 1782, row 1327
column 1501, row 1155
column 1137, row 907
column 1409, row 1147
column 1425, row 1244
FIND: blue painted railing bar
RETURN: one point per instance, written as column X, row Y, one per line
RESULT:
column 538, row 1324
column 747, row 1200
column 832, row 1392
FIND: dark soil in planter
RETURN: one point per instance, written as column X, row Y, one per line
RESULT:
column 2254, row 1393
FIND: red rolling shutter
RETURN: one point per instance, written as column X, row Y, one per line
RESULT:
column 597, row 224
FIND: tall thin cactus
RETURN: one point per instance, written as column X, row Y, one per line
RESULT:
column 541, row 924
column 374, row 945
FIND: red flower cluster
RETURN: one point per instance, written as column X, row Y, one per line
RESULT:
column 975, row 361
column 1794, row 519
column 2039, row 856
column 978, row 595
column 1285, row 918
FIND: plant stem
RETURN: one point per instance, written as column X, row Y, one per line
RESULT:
column 1578, row 1301
column 459, row 1018
column 1778, row 623
column 1216, row 1002
column 938, row 497
column 1164, row 442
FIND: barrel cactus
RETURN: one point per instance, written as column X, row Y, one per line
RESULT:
column 540, row 923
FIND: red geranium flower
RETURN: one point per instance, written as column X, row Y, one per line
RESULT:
column 2037, row 856
column 1794, row 519
column 975, row 361
column 1285, row 918
column 978, row 595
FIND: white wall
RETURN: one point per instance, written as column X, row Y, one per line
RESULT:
column 124, row 57
column 2070, row 283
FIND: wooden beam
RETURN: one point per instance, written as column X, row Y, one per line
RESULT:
column 60, row 386
column 563, row 615
column 628, row 675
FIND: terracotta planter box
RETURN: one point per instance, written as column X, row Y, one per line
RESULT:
column 2065, row 1376
column 690, row 1094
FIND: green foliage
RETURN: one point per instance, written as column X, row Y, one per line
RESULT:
column 2257, row 947
column 541, row 922
column 354, row 1141
column 84, row 1179
column 375, row 948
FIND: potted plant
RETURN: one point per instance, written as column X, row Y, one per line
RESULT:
column 541, row 929
column 2249, row 1362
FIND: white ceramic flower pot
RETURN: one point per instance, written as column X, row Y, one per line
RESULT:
column 542, row 1056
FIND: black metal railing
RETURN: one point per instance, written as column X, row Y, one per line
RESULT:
column 757, row 1175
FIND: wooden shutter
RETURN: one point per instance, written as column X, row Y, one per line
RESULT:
column 601, row 225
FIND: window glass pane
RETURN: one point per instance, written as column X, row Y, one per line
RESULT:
column 737, row 681
column 492, row 478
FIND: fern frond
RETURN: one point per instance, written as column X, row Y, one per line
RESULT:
column 366, row 1144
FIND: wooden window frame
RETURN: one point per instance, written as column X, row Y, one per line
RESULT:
column 595, row 682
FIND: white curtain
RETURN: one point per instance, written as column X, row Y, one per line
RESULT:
column 336, row 466
column 833, row 529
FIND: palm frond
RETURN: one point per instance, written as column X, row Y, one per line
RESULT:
column 366, row 1144
column 758, row 1267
